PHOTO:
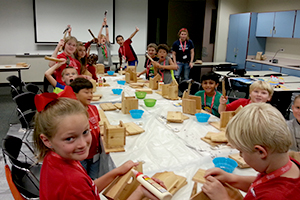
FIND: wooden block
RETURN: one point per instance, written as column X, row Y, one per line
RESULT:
column 295, row 155
column 238, row 109
column 118, row 105
column 114, row 137
column 103, row 118
column 199, row 176
column 147, row 90
column 185, row 117
column 219, row 137
column 122, row 72
column 99, row 68
column 240, row 161
column 217, row 125
column 106, row 85
column 188, row 106
column 96, row 98
column 175, row 116
column 107, row 106
column 132, row 128
column 110, row 75
column 136, row 85
column 213, row 144
column 225, row 118
column 7, row 66
column 209, row 134
column 94, row 85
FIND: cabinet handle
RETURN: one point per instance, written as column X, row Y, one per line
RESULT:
column 270, row 69
column 270, row 31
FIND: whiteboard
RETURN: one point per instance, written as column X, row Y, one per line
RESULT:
column 52, row 17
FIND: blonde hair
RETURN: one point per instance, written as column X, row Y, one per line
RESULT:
column 47, row 121
column 67, row 39
column 263, row 85
column 296, row 97
column 184, row 30
column 152, row 45
column 259, row 124
column 69, row 67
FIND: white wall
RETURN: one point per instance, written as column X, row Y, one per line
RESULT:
column 17, row 35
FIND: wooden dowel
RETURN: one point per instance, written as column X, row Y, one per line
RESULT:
column 223, row 88
column 60, row 48
column 91, row 33
column 53, row 59
column 149, row 57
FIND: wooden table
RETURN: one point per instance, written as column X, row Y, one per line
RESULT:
column 9, row 68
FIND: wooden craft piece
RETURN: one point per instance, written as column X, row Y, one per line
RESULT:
column 136, row 85
column 194, row 190
column 106, row 85
column 53, row 59
column 213, row 144
column 132, row 128
column 7, row 66
column 131, row 67
column 96, row 98
column 175, row 116
column 147, row 90
column 199, row 176
column 295, row 155
column 118, row 105
column 170, row 91
column 240, row 161
column 99, row 68
column 114, row 138
column 191, row 104
column 94, row 85
column 217, row 125
column 122, row 187
column 110, row 75
column 103, row 118
column 185, row 117
column 21, row 64
column 130, row 76
column 107, row 106
column 238, row 109
column 225, row 118
column 216, row 137
column 153, row 82
column 121, row 72
column 223, row 88
column 129, row 103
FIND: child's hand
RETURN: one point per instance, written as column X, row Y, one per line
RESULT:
column 156, row 64
column 223, row 100
column 139, row 74
column 191, row 65
column 123, row 169
column 214, row 189
column 61, row 43
column 137, row 29
column 61, row 63
column 218, row 174
column 105, row 20
column 95, row 40
column 70, row 29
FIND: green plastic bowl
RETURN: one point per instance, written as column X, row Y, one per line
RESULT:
column 149, row 102
column 140, row 95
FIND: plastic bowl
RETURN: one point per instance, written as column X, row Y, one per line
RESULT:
column 202, row 117
column 150, row 102
column 140, row 95
column 121, row 82
column 117, row 91
column 136, row 113
column 227, row 164
column 110, row 73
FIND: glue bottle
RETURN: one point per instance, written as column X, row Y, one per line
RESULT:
column 100, row 82
column 156, row 189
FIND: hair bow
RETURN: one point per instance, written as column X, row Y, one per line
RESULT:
column 42, row 100
column 183, row 29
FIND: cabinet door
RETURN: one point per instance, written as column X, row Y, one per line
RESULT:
column 271, row 68
column 284, row 24
column 291, row 72
column 264, row 27
column 232, row 38
column 297, row 25
column 252, row 66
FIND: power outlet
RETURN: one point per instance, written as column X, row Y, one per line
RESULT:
column 281, row 49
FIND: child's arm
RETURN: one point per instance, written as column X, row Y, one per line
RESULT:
column 106, row 30
column 222, row 107
column 107, row 178
column 54, row 54
column 143, row 72
column 50, row 71
column 100, row 32
column 133, row 34
column 172, row 66
column 174, row 56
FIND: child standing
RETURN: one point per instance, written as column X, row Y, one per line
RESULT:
column 260, row 133
column 83, row 90
column 294, row 124
column 62, row 137
column 260, row 91
column 210, row 98
column 149, row 69
column 165, row 65
column 126, row 51
column 68, row 75
column 103, row 47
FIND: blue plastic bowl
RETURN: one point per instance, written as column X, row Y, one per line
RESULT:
column 227, row 164
column 117, row 91
column 202, row 117
column 121, row 82
column 110, row 73
column 136, row 113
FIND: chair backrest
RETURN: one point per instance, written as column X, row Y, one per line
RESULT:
column 26, row 118
column 15, row 81
column 14, row 190
column 195, row 87
column 25, row 101
column 30, row 87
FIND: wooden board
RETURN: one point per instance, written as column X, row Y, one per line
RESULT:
column 166, row 97
column 110, row 75
column 107, row 106
column 106, row 85
column 295, row 155
column 136, row 85
column 122, row 72
column 133, row 129
column 109, row 150
column 240, row 161
column 216, row 137
column 175, row 116
column 217, row 125
column 211, row 142
column 118, row 105
column 147, row 90
column 96, row 98
column 199, row 176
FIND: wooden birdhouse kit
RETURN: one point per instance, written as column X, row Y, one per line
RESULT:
column 153, row 82
column 129, row 103
column 130, row 76
column 114, row 137
column 170, row 91
column 191, row 104
column 99, row 68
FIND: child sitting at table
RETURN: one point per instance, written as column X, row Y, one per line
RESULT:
column 260, row 91
column 294, row 124
column 260, row 133
column 62, row 137
column 68, row 74
column 83, row 90
column 164, row 65
column 149, row 69
column 209, row 96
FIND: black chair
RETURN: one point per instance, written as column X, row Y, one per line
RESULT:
column 30, row 87
column 238, row 87
column 223, row 67
column 25, row 171
column 195, row 87
column 16, row 85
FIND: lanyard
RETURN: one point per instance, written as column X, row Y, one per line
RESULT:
column 104, row 50
column 183, row 47
column 121, row 51
column 212, row 102
column 162, row 71
column 270, row 176
column 147, row 66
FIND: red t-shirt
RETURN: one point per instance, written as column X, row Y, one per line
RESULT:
column 94, row 120
column 73, row 62
column 235, row 104
column 65, row 179
column 127, row 51
column 280, row 188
